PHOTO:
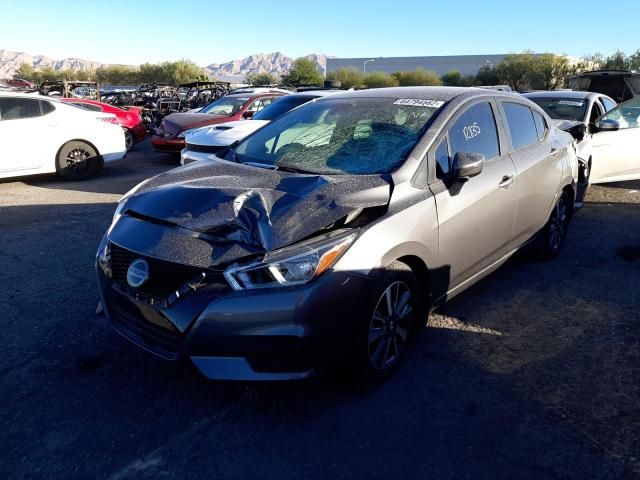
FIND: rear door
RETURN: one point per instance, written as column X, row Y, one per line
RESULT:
column 475, row 218
column 539, row 168
column 24, row 128
column 616, row 154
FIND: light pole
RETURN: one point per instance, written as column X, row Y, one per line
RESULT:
column 364, row 65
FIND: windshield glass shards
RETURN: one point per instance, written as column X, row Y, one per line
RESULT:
column 342, row 136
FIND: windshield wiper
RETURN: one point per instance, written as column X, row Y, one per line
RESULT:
column 292, row 169
column 267, row 166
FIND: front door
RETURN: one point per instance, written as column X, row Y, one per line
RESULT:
column 476, row 218
column 615, row 155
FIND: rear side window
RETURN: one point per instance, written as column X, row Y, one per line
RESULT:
column 19, row 108
column 608, row 103
column 88, row 106
column 521, row 125
column 46, row 107
column 541, row 124
column 475, row 132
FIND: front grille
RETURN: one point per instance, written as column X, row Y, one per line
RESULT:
column 165, row 278
column 204, row 148
column 163, row 340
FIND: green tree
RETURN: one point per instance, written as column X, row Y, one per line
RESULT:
column 452, row 78
column 516, row 70
column 348, row 76
column 634, row 61
column 419, row 77
column 549, row 71
column 257, row 79
column 616, row 61
column 487, row 75
column 303, row 72
column 26, row 72
column 380, row 80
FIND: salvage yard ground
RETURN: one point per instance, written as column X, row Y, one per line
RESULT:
column 532, row 373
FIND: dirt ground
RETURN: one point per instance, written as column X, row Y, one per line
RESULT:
column 532, row 373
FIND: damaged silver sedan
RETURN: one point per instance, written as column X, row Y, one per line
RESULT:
column 325, row 238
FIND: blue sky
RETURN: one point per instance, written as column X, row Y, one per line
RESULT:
column 136, row 31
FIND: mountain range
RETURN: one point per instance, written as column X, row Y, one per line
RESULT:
column 234, row 71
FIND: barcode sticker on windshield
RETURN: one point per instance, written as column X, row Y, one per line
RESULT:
column 419, row 102
column 571, row 103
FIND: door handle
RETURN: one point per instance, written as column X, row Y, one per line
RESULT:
column 506, row 181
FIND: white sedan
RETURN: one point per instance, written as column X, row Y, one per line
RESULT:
column 615, row 146
column 43, row 135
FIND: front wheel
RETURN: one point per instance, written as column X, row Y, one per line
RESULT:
column 384, row 333
column 77, row 160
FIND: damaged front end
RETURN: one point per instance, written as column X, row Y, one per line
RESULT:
column 208, row 239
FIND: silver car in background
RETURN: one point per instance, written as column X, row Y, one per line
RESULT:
column 324, row 238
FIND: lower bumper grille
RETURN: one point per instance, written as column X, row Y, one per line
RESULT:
column 164, row 340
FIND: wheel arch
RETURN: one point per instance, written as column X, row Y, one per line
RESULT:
column 91, row 144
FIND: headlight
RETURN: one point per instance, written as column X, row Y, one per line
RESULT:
column 294, row 265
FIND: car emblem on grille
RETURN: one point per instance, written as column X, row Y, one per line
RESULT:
column 137, row 273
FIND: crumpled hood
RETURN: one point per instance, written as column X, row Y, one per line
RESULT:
column 243, row 210
column 225, row 133
column 176, row 122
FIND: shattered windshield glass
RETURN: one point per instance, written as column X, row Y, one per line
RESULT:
column 341, row 136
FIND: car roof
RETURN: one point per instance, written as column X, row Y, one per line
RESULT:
column 10, row 93
column 426, row 93
column 563, row 94
column 252, row 95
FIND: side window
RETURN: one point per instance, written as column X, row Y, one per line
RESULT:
column 596, row 112
column 19, row 108
column 608, row 103
column 443, row 162
column 541, row 124
column 626, row 114
column 475, row 131
column 46, row 107
column 521, row 125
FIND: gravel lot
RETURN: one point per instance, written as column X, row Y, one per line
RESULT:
column 532, row 373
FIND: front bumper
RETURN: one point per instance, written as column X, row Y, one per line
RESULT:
column 274, row 334
column 164, row 144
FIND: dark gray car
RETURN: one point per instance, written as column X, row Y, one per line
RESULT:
column 323, row 239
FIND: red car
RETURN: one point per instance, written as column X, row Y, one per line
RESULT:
column 170, row 135
column 20, row 83
column 129, row 120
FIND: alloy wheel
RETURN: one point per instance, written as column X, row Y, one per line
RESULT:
column 389, row 326
column 558, row 224
column 128, row 140
column 76, row 159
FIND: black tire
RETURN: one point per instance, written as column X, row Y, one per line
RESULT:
column 552, row 238
column 383, row 334
column 129, row 139
column 77, row 160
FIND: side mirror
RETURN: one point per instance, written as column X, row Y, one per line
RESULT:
column 467, row 165
column 607, row 125
column 248, row 114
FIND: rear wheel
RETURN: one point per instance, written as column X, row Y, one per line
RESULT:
column 555, row 231
column 77, row 160
column 383, row 335
column 128, row 139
